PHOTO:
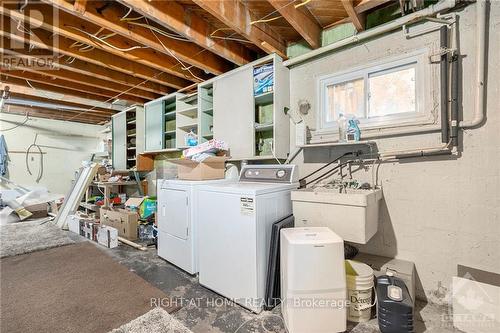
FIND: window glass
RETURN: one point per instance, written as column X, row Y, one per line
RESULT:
column 392, row 92
column 347, row 98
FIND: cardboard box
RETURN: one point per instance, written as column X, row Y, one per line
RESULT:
column 145, row 162
column 123, row 220
column 107, row 236
column 211, row 168
column 38, row 210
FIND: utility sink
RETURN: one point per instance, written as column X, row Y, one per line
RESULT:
column 353, row 214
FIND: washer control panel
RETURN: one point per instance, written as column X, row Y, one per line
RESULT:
column 269, row 173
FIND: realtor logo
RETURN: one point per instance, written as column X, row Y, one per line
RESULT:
column 475, row 305
column 28, row 39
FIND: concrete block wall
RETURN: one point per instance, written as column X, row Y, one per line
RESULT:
column 439, row 212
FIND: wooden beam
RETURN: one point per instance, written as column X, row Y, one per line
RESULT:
column 193, row 27
column 108, row 16
column 26, row 90
column 237, row 16
column 29, row 98
column 96, row 56
column 55, row 115
column 85, row 79
column 85, row 68
column 80, row 5
column 51, row 80
column 301, row 20
column 147, row 57
column 366, row 5
column 8, row 80
column 358, row 20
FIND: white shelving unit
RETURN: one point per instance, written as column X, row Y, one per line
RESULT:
column 254, row 126
column 128, row 137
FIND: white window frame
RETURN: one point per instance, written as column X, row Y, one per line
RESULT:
column 423, row 115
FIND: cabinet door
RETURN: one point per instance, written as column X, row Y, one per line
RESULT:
column 174, row 213
column 154, row 126
column 120, row 141
column 234, row 112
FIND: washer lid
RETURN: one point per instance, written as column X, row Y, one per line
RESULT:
column 165, row 183
column 248, row 188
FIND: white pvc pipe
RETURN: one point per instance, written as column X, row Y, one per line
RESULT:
column 478, row 117
column 381, row 29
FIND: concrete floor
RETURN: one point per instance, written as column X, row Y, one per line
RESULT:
column 204, row 311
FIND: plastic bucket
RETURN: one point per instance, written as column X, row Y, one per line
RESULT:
column 359, row 278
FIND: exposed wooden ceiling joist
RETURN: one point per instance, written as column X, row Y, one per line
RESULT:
column 88, row 81
column 8, row 80
column 85, row 68
column 237, row 16
column 186, row 23
column 30, row 97
column 358, row 20
column 98, row 57
column 146, row 57
column 82, row 87
column 54, row 114
column 59, row 98
column 301, row 20
column 108, row 16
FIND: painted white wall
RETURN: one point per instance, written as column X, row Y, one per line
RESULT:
column 438, row 212
column 66, row 145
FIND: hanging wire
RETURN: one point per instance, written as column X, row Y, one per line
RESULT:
column 173, row 55
column 26, row 119
column 105, row 42
column 40, row 169
column 302, row 3
column 161, row 32
column 162, row 72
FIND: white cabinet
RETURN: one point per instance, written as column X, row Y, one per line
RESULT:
column 233, row 112
column 176, row 221
column 252, row 122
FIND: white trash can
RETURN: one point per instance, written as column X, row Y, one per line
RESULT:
column 313, row 280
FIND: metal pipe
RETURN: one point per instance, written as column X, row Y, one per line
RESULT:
column 381, row 29
column 454, row 101
column 443, row 32
column 478, row 117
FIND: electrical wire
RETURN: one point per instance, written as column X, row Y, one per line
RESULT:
column 162, row 72
column 107, row 43
column 40, row 169
column 173, row 55
column 26, row 119
column 161, row 32
column 302, row 3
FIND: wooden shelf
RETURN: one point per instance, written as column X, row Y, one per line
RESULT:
column 188, row 127
column 265, row 98
column 191, row 112
column 263, row 127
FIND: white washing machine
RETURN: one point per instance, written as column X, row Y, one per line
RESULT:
column 235, row 230
column 178, row 216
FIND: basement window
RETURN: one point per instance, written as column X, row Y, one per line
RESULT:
column 377, row 95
